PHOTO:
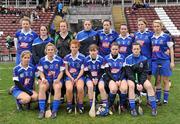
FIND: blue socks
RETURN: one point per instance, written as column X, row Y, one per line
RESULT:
column 90, row 102
column 42, row 105
column 55, row 105
column 166, row 94
column 158, row 94
column 111, row 98
column 132, row 104
column 122, row 98
column 152, row 101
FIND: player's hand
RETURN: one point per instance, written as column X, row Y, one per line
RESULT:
column 75, row 80
column 139, row 87
column 118, row 83
column 56, row 81
column 172, row 65
column 95, row 81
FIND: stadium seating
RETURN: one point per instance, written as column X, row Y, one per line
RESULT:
column 9, row 24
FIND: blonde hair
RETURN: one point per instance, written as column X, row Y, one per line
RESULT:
column 25, row 19
column 143, row 20
column 50, row 44
column 64, row 21
column 25, row 53
column 159, row 22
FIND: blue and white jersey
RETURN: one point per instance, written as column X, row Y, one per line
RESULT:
column 160, row 45
column 86, row 38
column 144, row 39
column 75, row 64
column 132, row 60
column 94, row 66
column 125, row 45
column 105, row 41
column 39, row 41
column 51, row 69
column 25, row 40
column 24, row 75
column 115, row 65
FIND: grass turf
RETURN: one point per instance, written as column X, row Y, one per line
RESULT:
column 167, row 114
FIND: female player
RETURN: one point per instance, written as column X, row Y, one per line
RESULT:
column 106, row 37
column 162, row 63
column 23, row 77
column 143, row 37
column 51, row 69
column 24, row 38
column 39, row 44
column 74, row 64
column 125, row 41
column 116, row 76
column 94, row 69
column 63, row 39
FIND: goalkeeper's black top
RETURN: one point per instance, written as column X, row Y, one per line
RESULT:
column 137, row 65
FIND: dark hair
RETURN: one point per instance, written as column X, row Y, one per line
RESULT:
column 107, row 20
column 114, row 44
column 135, row 43
column 93, row 47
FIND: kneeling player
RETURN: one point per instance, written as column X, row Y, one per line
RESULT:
column 23, row 77
column 115, row 76
column 51, row 69
column 136, row 64
column 74, row 63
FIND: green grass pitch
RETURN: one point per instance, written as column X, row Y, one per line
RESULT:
column 167, row 114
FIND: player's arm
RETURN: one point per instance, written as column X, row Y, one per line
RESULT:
column 61, row 73
column 15, row 42
column 108, row 72
column 170, row 45
column 67, row 72
column 129, row 73
column 143, row 72
column 100, row 74
column 123, row 74
column 35, row 55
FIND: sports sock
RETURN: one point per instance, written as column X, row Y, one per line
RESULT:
column 158, row 94
column 55, row 105
column 152, row 101
column 166, row 95
column 111, row 98
column 132, row 103
column 122, row 98
column 42, row 104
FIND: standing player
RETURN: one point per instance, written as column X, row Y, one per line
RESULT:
column 136, row 69
column 106, row 37
column 125, row 41
column 39, row 44
column 74, row 64
column 94, row 69
column 23, row 77
column 24, row 38
column 63, row 39
column 161, row 42
column 143, row 37
column 87, row 37
column 51, row 69
column 115, row 76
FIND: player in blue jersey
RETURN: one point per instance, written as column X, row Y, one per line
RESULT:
column 136, row 66
column 51, row 69
column 143, row 37
column 23, row 77
column 106, row 37
column 115, row 76
column 74, row 64
column 39, row 44
column 94, row 69
column 24, row 38
column 87, row 37
column 162, row 63
column 125, row 41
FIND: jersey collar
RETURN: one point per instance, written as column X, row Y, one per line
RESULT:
column 29, row 32
column 110, row 32
column 76, row 57
column 24, row 67
column 127, row 35
column 162, row 33
column 93, row 61
column 46, row 59
column 146, row 29
column 115, row 58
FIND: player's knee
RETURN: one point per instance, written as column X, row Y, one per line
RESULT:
column 57, row 87
column 26, row 99
column 90, row 87
column 80, row 88
column 101, row 88
column 123, row 89
column 69, row 89
column 131, row 85
column 113, row 90
column 42, row 87
column 34, row 97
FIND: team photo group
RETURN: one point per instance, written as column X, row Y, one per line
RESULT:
column 112, row 69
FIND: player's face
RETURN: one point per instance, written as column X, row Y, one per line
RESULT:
column 74, row 48
column 106, row 26
column 123, row 30
column 43, row 31
column 50, row 51
column 93, row 53
column 114, row 50
column 157, row 27
column 87, row 25
column 25, row 59
column 63, row 27
column 141, row 26
column 25, row 25
column 136, row 50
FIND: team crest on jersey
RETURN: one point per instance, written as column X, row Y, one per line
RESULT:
column 94, row 37
column 46, row 66
column 141, row 65
column 21, row 75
